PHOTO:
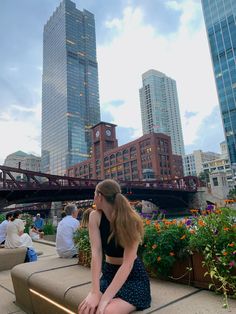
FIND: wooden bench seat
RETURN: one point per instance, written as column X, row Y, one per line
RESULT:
column 11, row 257
column 53, row 286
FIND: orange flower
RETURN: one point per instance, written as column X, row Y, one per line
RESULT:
column 172, row 254
column 226, row 229
column 148, row 222
column 225, row 253
column 157, row 225
column 231, row 244
column 154, row 246
column 159, row 258
column 201, row 223
column 218, row 211
column 183, row 237
column 192, row 231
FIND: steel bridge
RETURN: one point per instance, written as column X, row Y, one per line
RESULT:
column 22, row 186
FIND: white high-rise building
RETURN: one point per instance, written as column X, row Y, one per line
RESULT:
column 160, row 108
column 24, row 161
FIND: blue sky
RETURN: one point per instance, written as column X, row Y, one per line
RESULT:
column 133, row 36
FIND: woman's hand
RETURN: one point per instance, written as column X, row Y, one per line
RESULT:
column 101, row 307
column 90, row 303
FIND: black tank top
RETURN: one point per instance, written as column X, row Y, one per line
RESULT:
column 110, row 249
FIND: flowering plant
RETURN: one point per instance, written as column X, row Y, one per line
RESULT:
column 214, row 235
column 164, row 242
column 82, row 243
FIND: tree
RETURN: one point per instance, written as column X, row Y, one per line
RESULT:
column 204, row 177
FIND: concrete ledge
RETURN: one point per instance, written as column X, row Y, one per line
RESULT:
column 42, row 241
column 11, row 257
column 21, row 276
column 53, row 285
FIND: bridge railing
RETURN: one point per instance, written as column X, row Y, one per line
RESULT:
column 36, row 180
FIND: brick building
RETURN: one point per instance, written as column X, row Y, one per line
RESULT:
column 148, row 157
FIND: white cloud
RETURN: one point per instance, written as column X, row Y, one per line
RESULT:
column 137, row 47
column 21, row 134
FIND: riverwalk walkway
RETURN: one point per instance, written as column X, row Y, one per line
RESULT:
column 172, row 298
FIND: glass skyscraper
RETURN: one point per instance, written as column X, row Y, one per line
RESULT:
column 70, row 96
column 160, row 108
column 220, row 21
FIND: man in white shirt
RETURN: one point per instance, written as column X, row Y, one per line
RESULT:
column 65, row 231
column 3, row 228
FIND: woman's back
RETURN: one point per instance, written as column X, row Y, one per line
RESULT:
column 13, row 239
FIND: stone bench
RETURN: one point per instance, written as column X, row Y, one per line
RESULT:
column 11, row 257
column 53, row 285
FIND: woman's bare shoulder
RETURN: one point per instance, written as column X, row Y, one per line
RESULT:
column 95, row 216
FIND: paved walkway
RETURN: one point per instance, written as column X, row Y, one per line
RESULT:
column 172, row 298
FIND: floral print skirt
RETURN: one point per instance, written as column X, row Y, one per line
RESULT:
column 136, row 289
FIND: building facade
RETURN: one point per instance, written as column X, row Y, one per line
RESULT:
column 70, row 97
column 193, row 163
column 220, row 21
column 24, row 161
column 160, row 108
column 147, row 158
column 221, row 164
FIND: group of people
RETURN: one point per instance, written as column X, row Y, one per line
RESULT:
column 12, row 231
column 120, row 283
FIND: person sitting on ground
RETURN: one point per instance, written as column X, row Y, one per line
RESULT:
column 65, row 245
column 15, row 233
column 3, row 228
column 38, row 223
column 85, row 218
column 35, row 234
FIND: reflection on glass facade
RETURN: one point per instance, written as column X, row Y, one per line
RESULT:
column 220, row 20
column 70, row 97
column 160, row 108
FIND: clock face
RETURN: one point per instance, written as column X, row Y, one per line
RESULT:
column 97, row 134
column 108, row 132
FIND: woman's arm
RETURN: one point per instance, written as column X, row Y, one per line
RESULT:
column 130, row 254
column 92, row 300
column 96, row 248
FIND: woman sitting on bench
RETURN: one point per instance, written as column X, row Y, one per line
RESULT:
column 15, row 233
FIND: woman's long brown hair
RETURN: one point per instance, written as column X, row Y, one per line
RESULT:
column 126, row 224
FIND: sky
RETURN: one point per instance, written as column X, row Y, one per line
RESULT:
column 133, row 36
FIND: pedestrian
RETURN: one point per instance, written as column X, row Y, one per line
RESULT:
column 65, row 245
column 116, row 230
column 15, row 233
column 85, row 218
column 3, row 228
column 39, row 223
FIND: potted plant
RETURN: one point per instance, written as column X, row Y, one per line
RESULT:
column 81, row 239
column 165, row 243
column 213, row 242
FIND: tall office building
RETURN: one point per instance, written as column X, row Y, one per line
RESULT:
column 220, row 21
column 160, row 108
column 70, row 97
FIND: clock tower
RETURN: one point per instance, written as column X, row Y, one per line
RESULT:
column 104, row 139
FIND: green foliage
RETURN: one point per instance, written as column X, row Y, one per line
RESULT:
column 81, row 239
column 215, row 237
column 163, row 243
column 2, row 217
column 232, row 194
column 49, row 229
column 204, row 176
column 28, row 219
